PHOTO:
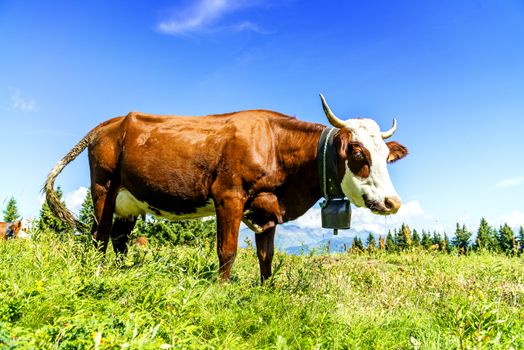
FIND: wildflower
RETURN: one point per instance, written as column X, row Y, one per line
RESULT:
column 39, row 286
column 97, row 337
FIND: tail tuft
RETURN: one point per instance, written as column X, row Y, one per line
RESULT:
column 52, row 199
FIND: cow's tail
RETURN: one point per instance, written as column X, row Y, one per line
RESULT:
column 53, row 201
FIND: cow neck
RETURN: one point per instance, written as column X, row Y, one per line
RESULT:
column 327, row 164
column 296, row 144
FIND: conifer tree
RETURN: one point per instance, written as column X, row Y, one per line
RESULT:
column 436, row 238
column 521, row 239
column 515, row 246
column 406, row 232
column 461, row 239
column 187, row 232
column 11, row 211
column 426, row 240
column 415, row 238
column 445, row 246
column 381, row 243
column 48, row 220
column 371, row 242
column 506, row 239
column 390, row 243
column 484, row 238
column 86, row 213
column 357, row 243
column 493, row 245
column 400, row 238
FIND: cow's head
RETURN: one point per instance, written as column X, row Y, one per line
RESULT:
column 363, row 158
column 20, row 228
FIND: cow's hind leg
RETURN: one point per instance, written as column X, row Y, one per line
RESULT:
column 104, row 208
column 265, row 242
column 122, row 227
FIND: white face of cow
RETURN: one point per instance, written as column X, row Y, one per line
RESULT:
column 366, row 180
column 24, row 229
column 370, row 187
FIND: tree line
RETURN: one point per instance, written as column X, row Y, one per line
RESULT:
column 487, row 238
column 496, row 240
column 157, row 230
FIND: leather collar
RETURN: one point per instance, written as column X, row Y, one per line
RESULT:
column 327, row 162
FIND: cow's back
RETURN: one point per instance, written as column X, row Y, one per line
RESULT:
column 171, row 162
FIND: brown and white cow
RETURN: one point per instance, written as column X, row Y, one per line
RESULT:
column 257, row 165
column 16, row 229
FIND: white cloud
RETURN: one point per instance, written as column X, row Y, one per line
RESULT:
column 21, row 103
column 246, row 25
column 311, row 219
column 307, row 229
column 75, row 199
column 511, row 182
column 411, row 213
column 204, row 15
column 363, row 219
column 515, row 219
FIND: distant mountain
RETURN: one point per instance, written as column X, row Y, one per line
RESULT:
column 295, row 239
column 336, row 244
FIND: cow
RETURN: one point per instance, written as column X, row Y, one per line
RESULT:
column 16, row 229
column 256, row 166
column 142, row 242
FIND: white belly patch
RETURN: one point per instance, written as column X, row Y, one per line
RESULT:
column 127, row 205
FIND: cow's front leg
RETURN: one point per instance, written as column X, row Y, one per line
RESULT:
column 229, row 209
column 265, row 248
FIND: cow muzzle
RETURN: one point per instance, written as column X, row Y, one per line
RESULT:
column 22, row 234
column 389, row 206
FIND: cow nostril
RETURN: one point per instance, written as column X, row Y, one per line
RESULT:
column 392, row 204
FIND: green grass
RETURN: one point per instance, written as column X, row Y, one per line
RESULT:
column 53, row 295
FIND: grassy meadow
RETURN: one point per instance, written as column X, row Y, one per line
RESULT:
column 56, row 294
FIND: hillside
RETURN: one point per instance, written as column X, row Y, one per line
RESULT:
column 54, row 296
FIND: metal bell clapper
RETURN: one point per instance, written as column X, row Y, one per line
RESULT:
column 336, row 214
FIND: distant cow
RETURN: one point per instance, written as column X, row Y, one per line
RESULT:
column 255, row 166
column 142, row 242
column 15, row 229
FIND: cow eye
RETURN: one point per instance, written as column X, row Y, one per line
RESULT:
column 358, row 155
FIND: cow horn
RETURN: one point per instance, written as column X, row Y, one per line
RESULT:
column 390, row 132
column 333, row 120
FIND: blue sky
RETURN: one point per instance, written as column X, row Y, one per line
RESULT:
column 451, row 72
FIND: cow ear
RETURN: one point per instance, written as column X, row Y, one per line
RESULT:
column 396, row 151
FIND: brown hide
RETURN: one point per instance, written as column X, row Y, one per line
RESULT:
column 142, row 242
column 172, row 163
column 256, row 165
column 257, row 161
column 14, row 226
